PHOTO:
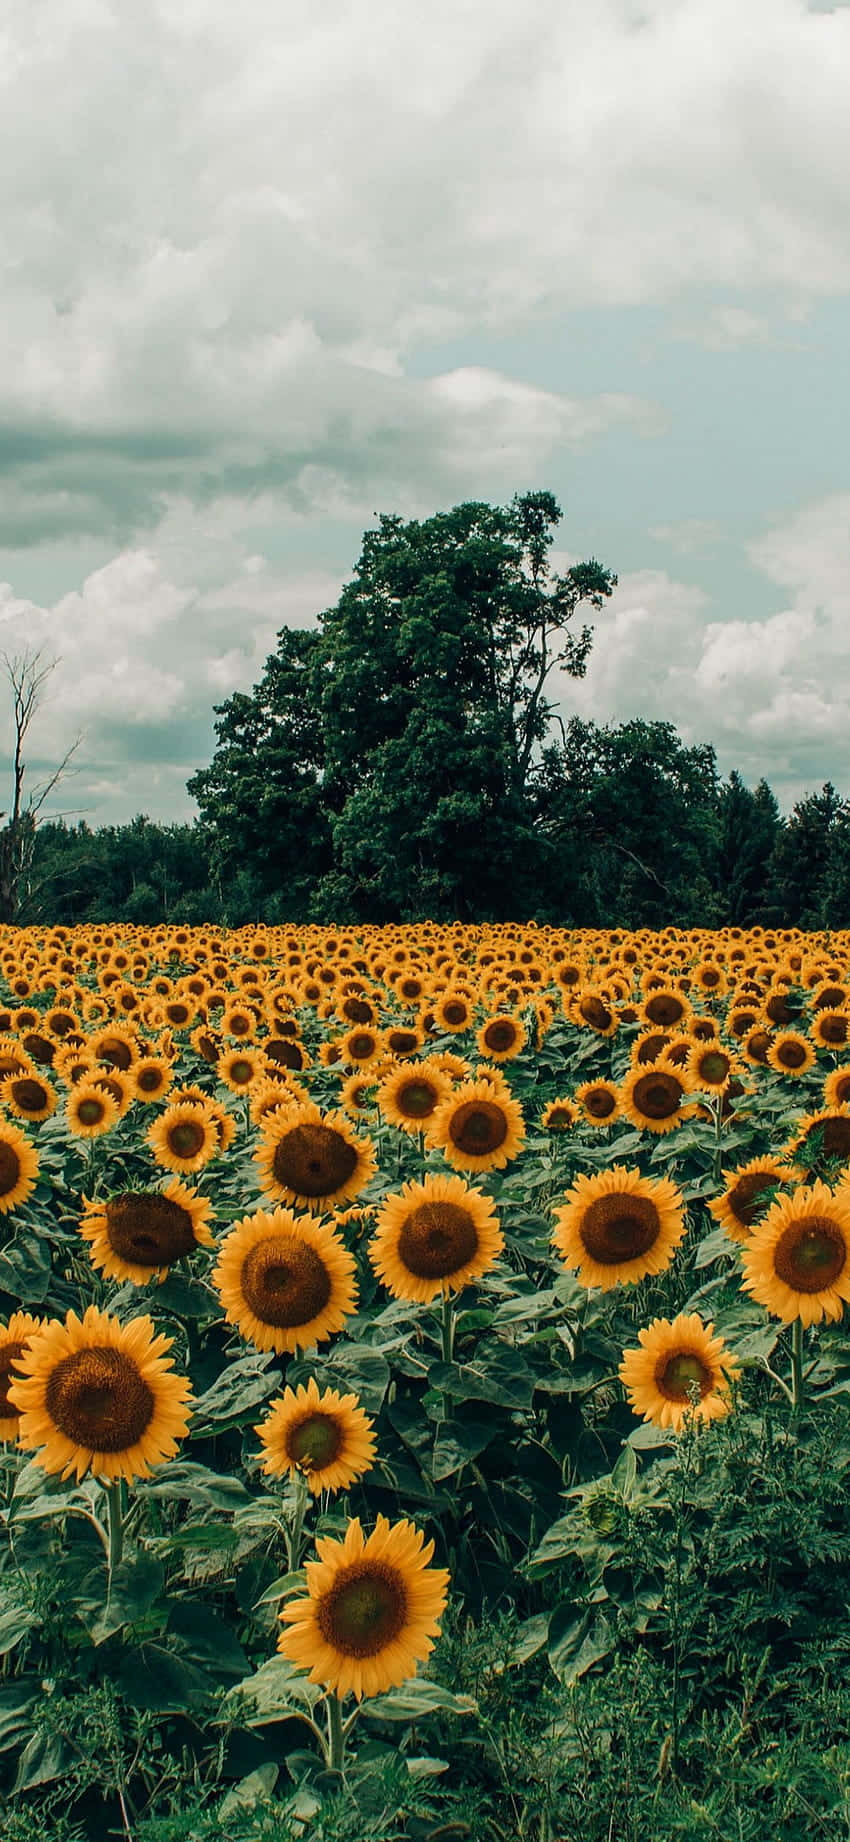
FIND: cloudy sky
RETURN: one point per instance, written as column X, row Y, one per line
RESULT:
column 270, row 269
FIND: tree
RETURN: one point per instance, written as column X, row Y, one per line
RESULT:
column 749, row 828
column 632, row 814
column 261, row 801
column 25, row 675
column 399, row 742
column 799, row 868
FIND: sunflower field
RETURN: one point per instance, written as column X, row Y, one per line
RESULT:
column 424, row 1384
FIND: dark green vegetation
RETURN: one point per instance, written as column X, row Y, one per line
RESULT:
column 406, row 758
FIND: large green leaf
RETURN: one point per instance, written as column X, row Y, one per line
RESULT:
column 194, row 1483
column 417, row 1697
column 274, row 1691
column 239, row 1390
column 457, row 1442
column 576, row 1642
column 106, row 1608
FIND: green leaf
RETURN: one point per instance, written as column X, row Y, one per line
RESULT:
column 714, row 1246
column 194, row 1483
column 498, row 1374
column 362, row 1370
column 25, row 1269
column 624, row 1474
column 16, row 1621
column 16, row 1700
column 457, row 1442
column 757, row 1344
column 136, row 1583
column 205, row 1639
column 575, row 1644
column 425, row 1767
column 646, row 1437
column 531, row 1638
column 274, row 1691
column 153, row 1676
column 243, row 1796
column 44, row 1758
column 240, row 1389
column 418, row 1697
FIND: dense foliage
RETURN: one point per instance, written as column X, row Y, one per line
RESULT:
column 646, row 1633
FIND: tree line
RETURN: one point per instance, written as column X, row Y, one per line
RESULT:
column 407, row 758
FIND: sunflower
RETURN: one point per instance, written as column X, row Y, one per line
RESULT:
column 90, row 1110
column 184, row 1138
column 19, row 1166
column 599, row 1102
column 119, row 1084
column 285, row 1281
column 559, row 1116
column 445, row 1062
column 710, row 1066
column 239, row 1020
column 409, row 1096
column 207, row 1042
column 326, row 1438
column 358, row 1094
column 501, row 1037
column 592, row 1010
column 836, row 1087
column 666, row 1008
column 139, row 1234
column 820, row 1137
column 99, row 1396
column 614, row 1228
column 432, row 1237
column 797, row 1260
column 404, row 1039
column 153, row 1075
column 675, row 1359
column 831, row 1029
column 361, row 1045
column 650, row 1046
column 237, row 1068
column 372, row 1610
column 283, row 1052
column 755, row 1044
column 790, row 1053
column 453, row 1011
column 14, row 1338
column 651, row 1097
column 119, row 1048
column 744, row 1199
column 479, row 1127
column 313, row 1159
column 28, row 1096
column 272, row 1091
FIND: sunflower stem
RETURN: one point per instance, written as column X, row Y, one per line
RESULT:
column 336, row 1733
column 797, row 1382
column 718, row 1138
column 115, row 1526
column 447, row 1326
column 295, row 1538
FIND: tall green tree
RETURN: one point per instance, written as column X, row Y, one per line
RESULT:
column 262, row 803
column 388, row 758
column 631, row 813
column 749, row 829
column 800, row 863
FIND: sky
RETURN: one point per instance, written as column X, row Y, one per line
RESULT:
column 270, row 270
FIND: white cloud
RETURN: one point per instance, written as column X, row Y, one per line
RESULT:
column 230, row 226
column 773, row 694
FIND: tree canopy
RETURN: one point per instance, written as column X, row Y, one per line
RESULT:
column 389, row 759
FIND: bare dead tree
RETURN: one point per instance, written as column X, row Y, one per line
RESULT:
column 25, row 674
